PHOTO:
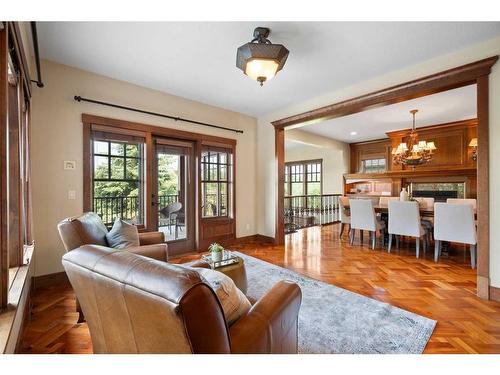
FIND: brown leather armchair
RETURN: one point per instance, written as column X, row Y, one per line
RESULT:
column 89, row 229
column 139, row 305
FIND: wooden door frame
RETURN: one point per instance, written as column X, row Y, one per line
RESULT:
column 178, row 246
column 473, row 73
column 149, row 132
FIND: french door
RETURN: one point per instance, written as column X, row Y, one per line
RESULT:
column 174, row 193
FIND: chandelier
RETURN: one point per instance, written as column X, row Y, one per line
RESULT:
column 260, row 59
column 415, row 152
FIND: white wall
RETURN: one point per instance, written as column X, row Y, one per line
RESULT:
column 335, row 155
column 265, row 134
column 57, row 136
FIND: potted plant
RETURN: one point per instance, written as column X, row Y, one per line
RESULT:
column 216, row 251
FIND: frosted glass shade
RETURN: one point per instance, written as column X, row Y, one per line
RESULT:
column 257, row 68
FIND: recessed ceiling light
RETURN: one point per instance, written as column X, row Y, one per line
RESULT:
column 354, row 133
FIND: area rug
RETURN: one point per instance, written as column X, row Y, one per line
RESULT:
column 334, row 320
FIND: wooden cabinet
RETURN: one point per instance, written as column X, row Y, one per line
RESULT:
column 452, row 161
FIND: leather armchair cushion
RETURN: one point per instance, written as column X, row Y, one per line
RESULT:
column 122, row 235
column 234, row 303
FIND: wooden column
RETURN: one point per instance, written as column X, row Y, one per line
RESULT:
column 483, row 215
column 279, row 138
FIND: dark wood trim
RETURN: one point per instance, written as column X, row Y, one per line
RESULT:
column 15, row 198
column 49, row 280
column 494, row 293
column 279, row 137
column 87, row 167
column 442, row 81
column 408, row 173
column 483, row 201
column 155, row 130
column 19, row 51
column 473, row 73
column 4, row 110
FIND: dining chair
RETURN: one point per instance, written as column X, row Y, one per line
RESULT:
column 426, row 203
column 454, row 223
column 404, row 220
column 384, row 201
column 470, row 201
column 363, row 217
column 345, row 217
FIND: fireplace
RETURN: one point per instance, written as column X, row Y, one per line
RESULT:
column 440, row 191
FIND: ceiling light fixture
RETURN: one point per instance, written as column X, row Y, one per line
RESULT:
column 260, row 59
column 415, row 152
column 354, row 133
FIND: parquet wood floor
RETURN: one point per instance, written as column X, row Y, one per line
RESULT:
column 443, row 291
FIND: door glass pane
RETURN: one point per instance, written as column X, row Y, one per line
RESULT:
column 172, row 192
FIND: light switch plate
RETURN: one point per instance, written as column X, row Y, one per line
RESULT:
column 69, row 165
column 71, row 194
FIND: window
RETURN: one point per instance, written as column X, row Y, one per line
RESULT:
column 373, row 165
column 216, row 182
column 15, row 207
column 117, row 180
column 303, row 178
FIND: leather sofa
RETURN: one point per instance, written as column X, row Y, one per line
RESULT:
column 88, row 228
column 138, row 305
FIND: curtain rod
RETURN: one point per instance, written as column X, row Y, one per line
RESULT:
column 34, row 33
column 82, row 99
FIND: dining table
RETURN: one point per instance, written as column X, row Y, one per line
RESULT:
column 424, row 210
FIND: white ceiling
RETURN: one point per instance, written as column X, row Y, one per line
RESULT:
column 196, row 60
column 447, row 106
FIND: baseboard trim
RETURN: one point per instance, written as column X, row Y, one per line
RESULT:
column 49, row 280
column 495, row 293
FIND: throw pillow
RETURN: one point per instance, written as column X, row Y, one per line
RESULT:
column 234, row 303
column 122, row 235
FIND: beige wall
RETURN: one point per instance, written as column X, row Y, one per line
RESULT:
column 265, row 134
column 335, row 155
column 57, row 136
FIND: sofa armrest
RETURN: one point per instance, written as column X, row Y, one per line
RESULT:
column 151, row 238
column 271, row 325
column 199, row 263
column 158, row 251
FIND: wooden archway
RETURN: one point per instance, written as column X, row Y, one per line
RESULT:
column 473, row 73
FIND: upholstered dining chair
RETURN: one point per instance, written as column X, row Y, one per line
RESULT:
column 363, row 217
column 404, row 220
column 138, row 305
column 455, row 223
column 384, row 201
column 470, row 201
column 427, row 203
column 345, row 217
